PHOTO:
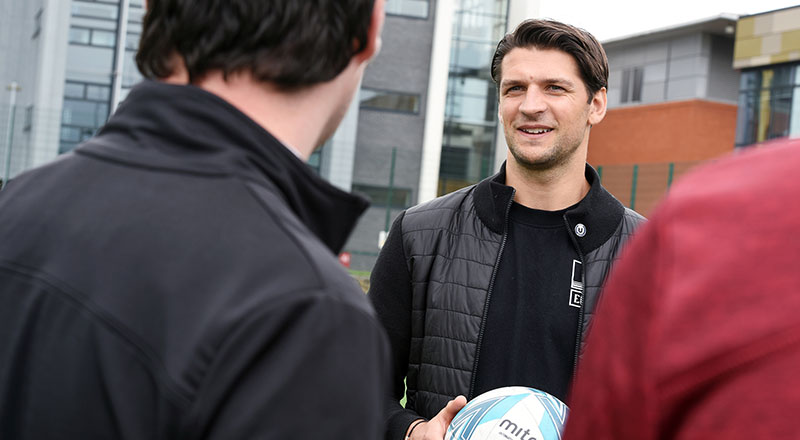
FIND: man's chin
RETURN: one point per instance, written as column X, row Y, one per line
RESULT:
column 538, row 162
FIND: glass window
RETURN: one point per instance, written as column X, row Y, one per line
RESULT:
column 768, row 104
column 493, row 7
column 749, row 80
column 135, row 15
column 130, row 71
column 71, row 137
column 454, row 162
column 411, row 8
column 103, row 38
column 132, row 41
column 79, row 35
column 93, row 23
column 471, row 99
column 747, row 118
column 73, row 90
column 66, row 147
column 471, row 104
column 780, row 104
column 84, row 113
column 393, row 101
column 474, row 58
column 399, row 198
column 94, row 10
column 70, row 134
column 467, row 155
column 98, row 93
column 632, row 80
column 480, row 27
column 89, row 64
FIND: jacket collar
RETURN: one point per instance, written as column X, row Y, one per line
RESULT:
column 599, row 212
column 187, row 129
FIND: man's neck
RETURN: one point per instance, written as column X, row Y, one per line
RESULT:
column 291, row 117
column 548, row 190
column 301, row 119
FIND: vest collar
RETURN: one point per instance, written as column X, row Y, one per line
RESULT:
column 592, row 221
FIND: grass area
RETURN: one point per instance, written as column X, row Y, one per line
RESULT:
column 359, row 273
column 362, row 276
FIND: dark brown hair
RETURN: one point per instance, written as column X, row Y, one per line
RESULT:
column 551, row 34
column 292, row 43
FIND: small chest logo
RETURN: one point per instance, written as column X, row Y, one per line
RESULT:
column 576, row 285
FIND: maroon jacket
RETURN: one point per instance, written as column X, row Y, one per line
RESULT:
column 697, row 335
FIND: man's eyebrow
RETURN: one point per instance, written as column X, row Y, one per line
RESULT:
column 553, row 80
column 510, row 82
column 557, row 80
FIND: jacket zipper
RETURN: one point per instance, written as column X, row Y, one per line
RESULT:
column 488, row 298
column 579, row 336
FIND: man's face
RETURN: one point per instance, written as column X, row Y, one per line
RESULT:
column 545, row 109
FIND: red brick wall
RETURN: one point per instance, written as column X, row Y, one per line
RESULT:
column 682, row 131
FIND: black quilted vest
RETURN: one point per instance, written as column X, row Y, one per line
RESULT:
column 453, row 245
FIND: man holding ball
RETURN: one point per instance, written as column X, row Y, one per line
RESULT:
column 494, row 285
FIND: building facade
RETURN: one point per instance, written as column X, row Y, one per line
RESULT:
column 767, row 51
column 73, row 65
column 426, row 122
column 423, row 123
column 672, row 100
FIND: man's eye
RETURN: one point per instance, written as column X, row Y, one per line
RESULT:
column 556, row 88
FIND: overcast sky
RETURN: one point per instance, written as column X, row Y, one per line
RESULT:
column 607, row 19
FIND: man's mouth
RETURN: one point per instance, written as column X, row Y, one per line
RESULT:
column 536, row 130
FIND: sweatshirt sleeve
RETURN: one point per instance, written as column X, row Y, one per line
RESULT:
column 390, row 294
column 308, row 367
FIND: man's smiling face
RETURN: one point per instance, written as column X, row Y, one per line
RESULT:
column 545, row 108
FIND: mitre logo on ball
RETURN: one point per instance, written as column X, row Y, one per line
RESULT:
column 510, row 413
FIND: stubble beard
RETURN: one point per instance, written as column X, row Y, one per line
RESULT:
column 557, row 155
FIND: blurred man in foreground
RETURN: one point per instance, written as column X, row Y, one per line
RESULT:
column 697, row 335
column 175, row 277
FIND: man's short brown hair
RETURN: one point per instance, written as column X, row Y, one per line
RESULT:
column 550, row 34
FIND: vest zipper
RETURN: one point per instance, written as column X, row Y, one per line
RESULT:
column 488, row 298
column 579, row 336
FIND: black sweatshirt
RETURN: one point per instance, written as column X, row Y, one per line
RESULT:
column 530, row 330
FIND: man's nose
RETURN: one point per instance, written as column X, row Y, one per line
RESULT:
column 534, row 102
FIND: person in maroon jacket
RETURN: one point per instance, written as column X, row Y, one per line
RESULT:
column 697, row 334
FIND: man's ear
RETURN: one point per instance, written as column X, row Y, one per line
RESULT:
column 373, row 45
column 597, row 107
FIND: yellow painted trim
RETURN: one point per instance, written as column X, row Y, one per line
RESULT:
column 790, row 41
column 747, row 48
column 745, row 28
column 779, row 58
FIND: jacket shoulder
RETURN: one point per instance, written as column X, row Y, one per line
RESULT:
column 439, row 210
column 630, row 221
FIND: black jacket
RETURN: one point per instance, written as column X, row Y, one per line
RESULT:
column 432, row 284
column 176, row 278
